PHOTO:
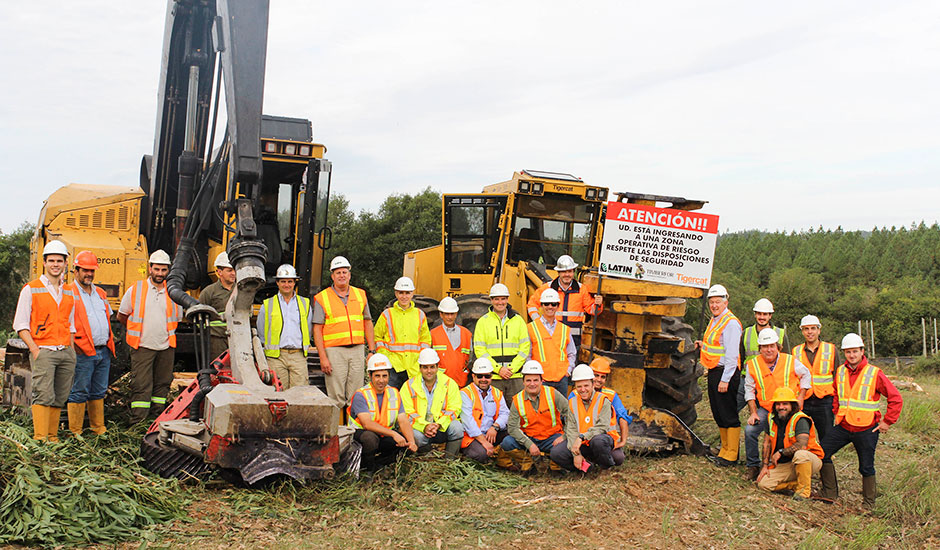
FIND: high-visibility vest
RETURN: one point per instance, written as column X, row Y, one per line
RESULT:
column 343, row 323
column 506, row 344
column 135, row 321
column 49, row 323
column 821, row 368
column 83, row 327
column 445, row 403
column 749, row 339
column 542, row 423
column 473, row 394
column 453, row 361
column 274, row 324
column 858, row 403
column 387, row 415
column 712, row 351
column 400, row 334
column 587, row 416
column 789, row 435
column 575, row 302
column 549, row 349
column 766, row 382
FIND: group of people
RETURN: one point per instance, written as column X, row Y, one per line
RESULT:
column 807, row 404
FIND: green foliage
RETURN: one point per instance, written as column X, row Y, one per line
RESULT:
column 14, row 269
column 920, row 415
column 913, row 492
column 925, row 365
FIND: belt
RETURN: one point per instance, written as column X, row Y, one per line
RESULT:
column 292, row 350
column 102, row 346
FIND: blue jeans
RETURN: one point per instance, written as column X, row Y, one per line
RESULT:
column 453, row 432
column 545, row 445
column 752, row 437
column 561, row 385
column 91, row 376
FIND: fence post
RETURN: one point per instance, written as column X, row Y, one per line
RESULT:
column 923, row 329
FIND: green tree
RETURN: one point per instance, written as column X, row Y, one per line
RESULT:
column 14, row 270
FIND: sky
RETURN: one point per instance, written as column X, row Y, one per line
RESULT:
column 783, row 116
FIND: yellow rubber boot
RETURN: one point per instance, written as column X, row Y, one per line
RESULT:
column 723, row 452
column 96, row 416
column 734, row 443
column 40, row 423
column 523, row 459
column 804, row 479
column 502, row 459
column 785, row 486
column 53, row 423
column 76, row 417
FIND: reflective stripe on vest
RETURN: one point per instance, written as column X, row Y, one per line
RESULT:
column 394, row 343
column 440, row 400
column 83, row 327
column 821, row 368
column 343, row 323
column 857, row 404
column 751, row 347
column 135, row 321
column 473, row 394
column 273, row 318
column 453, row 361
column 388, row 414
column 789, row 435
column 49, row 323
column 712, row 351
column 767, row 382
column 550, row 349
column 585, row 421
column 534, row 423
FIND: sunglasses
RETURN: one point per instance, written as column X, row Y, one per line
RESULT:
column 550, row 305
column 483, row 375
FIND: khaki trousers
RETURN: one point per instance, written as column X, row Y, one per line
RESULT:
column 785, row 472
column 509, row 387
column 151, row 375
column 291, row 368
column 52, row 374
column 349, row 373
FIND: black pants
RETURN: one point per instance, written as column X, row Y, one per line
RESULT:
column 475, row 450
column 377, row 450
column 820, row 410
column 600, row 451
column 724, row 405
column 864, row 442
column 397, row 379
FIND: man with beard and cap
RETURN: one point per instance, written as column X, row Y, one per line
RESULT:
column 791, row 449
column 484, row 415
column 217, row 295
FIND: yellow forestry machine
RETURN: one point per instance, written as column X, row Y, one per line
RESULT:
column 513, row 233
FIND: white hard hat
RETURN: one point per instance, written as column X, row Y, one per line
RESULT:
column 499, row 289
column 533, row 367
column 160, row 257
column 222, row 260
column 582, row 372
column 378, row 362
column 852, row 340
column 339, row 262
column 55, row 247
column 286, row 271
column 767, row 336
column 448, row 305
column 405, row 284
column 809, row 321
column 763, row 306
column 565, row 262
column 428, row 356
column 717, row 290
column 482, row 365
column 550, row 296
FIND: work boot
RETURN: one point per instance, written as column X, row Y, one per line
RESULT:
column 734, row 444
column 869, row 492
column 452, row 448
column 522, row 459
column 503, row 460
column 76, row 417
column 830, row 484
column 40, row 422
column 804, row 479
column 752, row 473
column 723, row 450
column 96, row 416
column 53, row 423
column 786, row 487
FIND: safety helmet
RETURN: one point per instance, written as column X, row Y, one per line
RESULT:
column 286, row 271
column 339, row 262
column 378, row 362
column 499, row 289
column 767, row 336
column 550, row 296
column 852, row 340
column 717, row 290
column 763, row 306
column 601, row 365
column 532, row 367
column 448, row 305
column 582, row 372
column 809, row 321
column 565, row 263
column 428, row 356
column 405, row 284
column 55, row 247
column 482, row 365
column 159, row 257
column 222, row 260
column 86, row 259
column 783, row 393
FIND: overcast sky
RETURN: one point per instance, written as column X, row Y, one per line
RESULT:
column 783, row 115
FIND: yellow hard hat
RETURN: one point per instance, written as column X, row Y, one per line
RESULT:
column 783, row 394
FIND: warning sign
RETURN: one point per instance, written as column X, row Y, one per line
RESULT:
column 661, row 245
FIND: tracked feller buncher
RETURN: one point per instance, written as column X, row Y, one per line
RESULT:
column 513, row 233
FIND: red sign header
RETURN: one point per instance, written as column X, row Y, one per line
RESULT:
column 662, row 217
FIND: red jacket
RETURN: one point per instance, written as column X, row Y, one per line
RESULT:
column 883, row 387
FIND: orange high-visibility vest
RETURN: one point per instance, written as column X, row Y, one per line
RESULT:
column 135, row 321
column 477, row 412
column 83, row 327
column 712, row 351
column 48, row 321
column 766, row 382
column 387, row 415
column 453, row 361
column 343, row 323
column 543, row 423
column 858, row 403
column 821, row 368
column 789, row 435
column 549, row 349
column 586, row 419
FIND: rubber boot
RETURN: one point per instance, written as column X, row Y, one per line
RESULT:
column 76, row 417
column 53, row 423
column 452, row 448
column 804, row 479
column 96, row 416
column 734, row 443
column 523, row 459
column 40, row 423
column 723, row 451
column 830, row 484
column 503, row 460
column 869, row 492
column 785, row 486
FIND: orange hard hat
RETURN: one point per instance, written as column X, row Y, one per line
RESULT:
column 600, row 365
column 86, row 259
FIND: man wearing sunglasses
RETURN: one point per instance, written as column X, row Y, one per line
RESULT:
column 552, row 344
column 484, row 415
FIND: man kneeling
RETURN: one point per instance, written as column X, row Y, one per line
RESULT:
column 590, row 430
column 432, row 403
column 791, row 451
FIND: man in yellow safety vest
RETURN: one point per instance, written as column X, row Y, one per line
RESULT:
column 284, row 328
column 401, row 332
column 433, row 403
column 502, row 337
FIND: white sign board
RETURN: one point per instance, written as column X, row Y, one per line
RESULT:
column 661, row 245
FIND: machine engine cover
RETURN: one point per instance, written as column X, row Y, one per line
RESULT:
column 235, row 411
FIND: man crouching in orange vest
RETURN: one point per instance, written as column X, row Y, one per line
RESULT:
column 535, row 419
column 590, row 427
column 791, row 450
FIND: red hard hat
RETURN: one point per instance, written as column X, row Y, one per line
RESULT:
column 86, row 259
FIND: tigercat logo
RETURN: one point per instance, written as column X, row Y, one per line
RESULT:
column 109, row 261
column 567, row 188
column 693, row 280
